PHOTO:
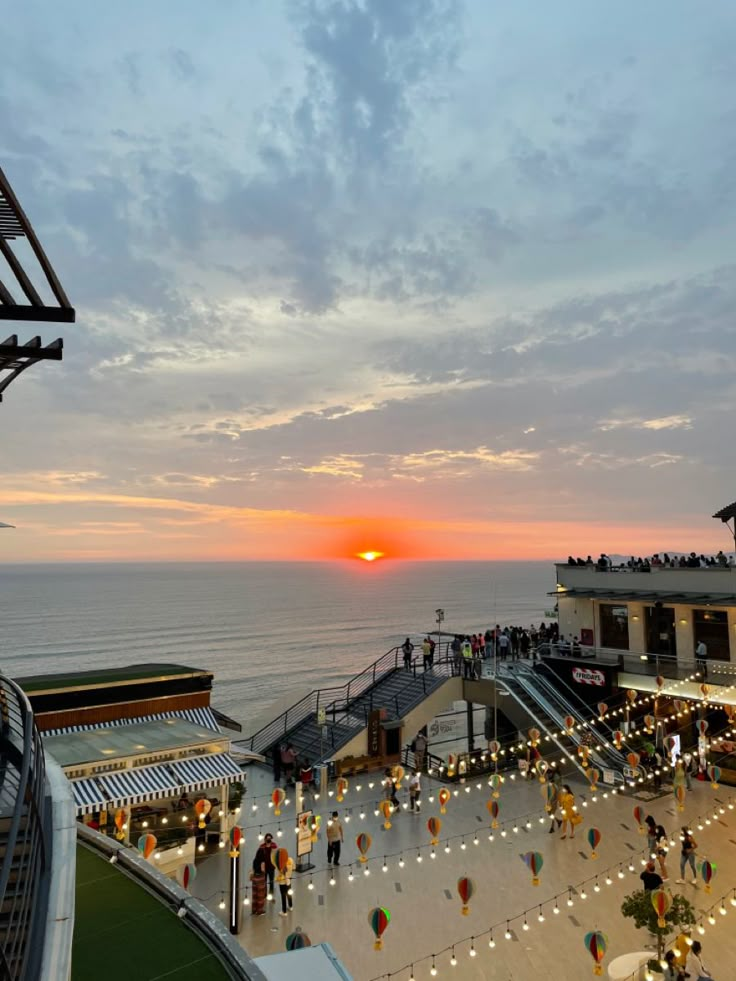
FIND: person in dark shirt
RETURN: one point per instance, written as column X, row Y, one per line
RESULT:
column 650, row 877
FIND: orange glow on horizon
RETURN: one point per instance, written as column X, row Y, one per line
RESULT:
column 370, row 556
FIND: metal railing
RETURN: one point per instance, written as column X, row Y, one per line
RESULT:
column 24, row 831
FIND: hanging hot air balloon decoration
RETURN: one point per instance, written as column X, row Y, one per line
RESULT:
column 640, row 818
column 534, row 862
column 298, row 940
column 342, row 788
column 187, row 875
column 398, row 774
column 534, row 736
column 583, row 753
column 632, row 694
column 649, row 723
column 602, row 709
column 386, row 809
column 146, row 844
column 465, row 890
column 496, row 782
column 434, row 826
column 379, row 918
column 550, row 794
column 280, row 861
column 596, row 943
column 120, row 821
column 315, row 827
column 661, row 901
column 541, row 767
column 451, row 764
column 569, row 724
column 702, row 726
column 670, row 743
column 680, row 797
column 594, row 776
column 202, row 808
column 236, row 837
column 363, row 842
column 633, row 760
column 277, row 799
column 594, row 839
column 714, row 772
column 493, row 809
column 659, row 682
column 705, row 690
column 443, row 797
column 618, row 738
column 495, row 748
column 680, row 706
column 707, row 871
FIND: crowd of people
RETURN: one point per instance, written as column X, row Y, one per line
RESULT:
column 657, row 561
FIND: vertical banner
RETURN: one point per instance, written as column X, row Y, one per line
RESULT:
column 374, row 733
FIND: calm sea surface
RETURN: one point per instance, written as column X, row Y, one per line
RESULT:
column 262, row 628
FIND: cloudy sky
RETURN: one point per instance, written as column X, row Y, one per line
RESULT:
column 447, row 278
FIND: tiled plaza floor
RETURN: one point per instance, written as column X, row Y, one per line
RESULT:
column 422, row 897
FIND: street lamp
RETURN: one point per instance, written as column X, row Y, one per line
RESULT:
column 440, row 614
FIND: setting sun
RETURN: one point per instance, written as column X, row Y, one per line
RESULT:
column 370, row 556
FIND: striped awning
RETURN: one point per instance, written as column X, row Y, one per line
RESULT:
column 122, row 788
column 199, row 716
column 207, row 771
column 86, row 795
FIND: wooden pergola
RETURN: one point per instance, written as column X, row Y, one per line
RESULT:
column 25, row 276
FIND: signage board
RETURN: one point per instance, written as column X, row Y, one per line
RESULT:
column 304, row 834
column 321, row 716
column 588, row 676
column 609, row 776
column 374, row 733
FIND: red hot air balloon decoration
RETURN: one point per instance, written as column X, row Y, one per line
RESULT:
column 496, row 781
column 298, row 940
column 277, row 799
column 659, row 682
column 670, row 743
column 680, row 706
column 594, row 776
column 492, row 806
column 363, row 842
column 443, row 796
column 386, row 809
column 187, row 875
column 202, row 808
column 534, row 736
column 680, row 797
column 342, row 789
column 146, row 844
column 714, row 772
column 649, row 723
column 569, row 723
column 465, row 890
column 583, row 753
column 633, row 760
column 640, row 818
column 707, row 871
column 495, row 748
column 236, row 837
column 602, row 709
column 661, row 901
column 594, row 839
column 534, row 862
column 280, row 861
column 379, row 918
column 618, row 738
column 451, row 764
column 434, row 826
column 702, row 726
column 120, row 822
column 596, row 943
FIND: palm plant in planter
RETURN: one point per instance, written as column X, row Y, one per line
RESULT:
column 639, row 907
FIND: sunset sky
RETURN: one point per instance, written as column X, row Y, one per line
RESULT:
column 437, row 278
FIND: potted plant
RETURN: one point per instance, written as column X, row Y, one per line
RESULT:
column 639, row 907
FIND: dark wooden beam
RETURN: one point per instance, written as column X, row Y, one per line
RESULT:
column 20, row 274
column 46, row 315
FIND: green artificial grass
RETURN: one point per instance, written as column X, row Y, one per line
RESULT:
column 106, row 676
column 123, row 932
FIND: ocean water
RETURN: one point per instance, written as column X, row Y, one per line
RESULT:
column 263, row 628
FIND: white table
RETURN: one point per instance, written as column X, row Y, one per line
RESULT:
column 624, row 967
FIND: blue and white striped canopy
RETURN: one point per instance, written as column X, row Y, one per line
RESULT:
column 199, row 716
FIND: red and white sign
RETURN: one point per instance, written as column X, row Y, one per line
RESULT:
column 588, row 676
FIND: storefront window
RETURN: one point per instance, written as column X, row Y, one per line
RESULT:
column 660, row 630
column 711, row 626
column 614, row 626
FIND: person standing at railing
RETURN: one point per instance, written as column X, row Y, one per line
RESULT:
column 288, row 762
column 407, row 649
column 426, row 654
column 701, row 654
column 420, row 751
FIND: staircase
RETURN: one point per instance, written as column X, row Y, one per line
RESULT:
column 385, row 684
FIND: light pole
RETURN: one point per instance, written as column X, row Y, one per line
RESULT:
column 440, row 614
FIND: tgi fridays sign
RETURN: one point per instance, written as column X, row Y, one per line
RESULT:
column 589, row 676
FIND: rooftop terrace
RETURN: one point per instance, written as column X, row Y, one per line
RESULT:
column 105, row 677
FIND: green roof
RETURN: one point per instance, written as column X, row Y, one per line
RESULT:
column 104, row 676
column 122, row 931
column 139, row 739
